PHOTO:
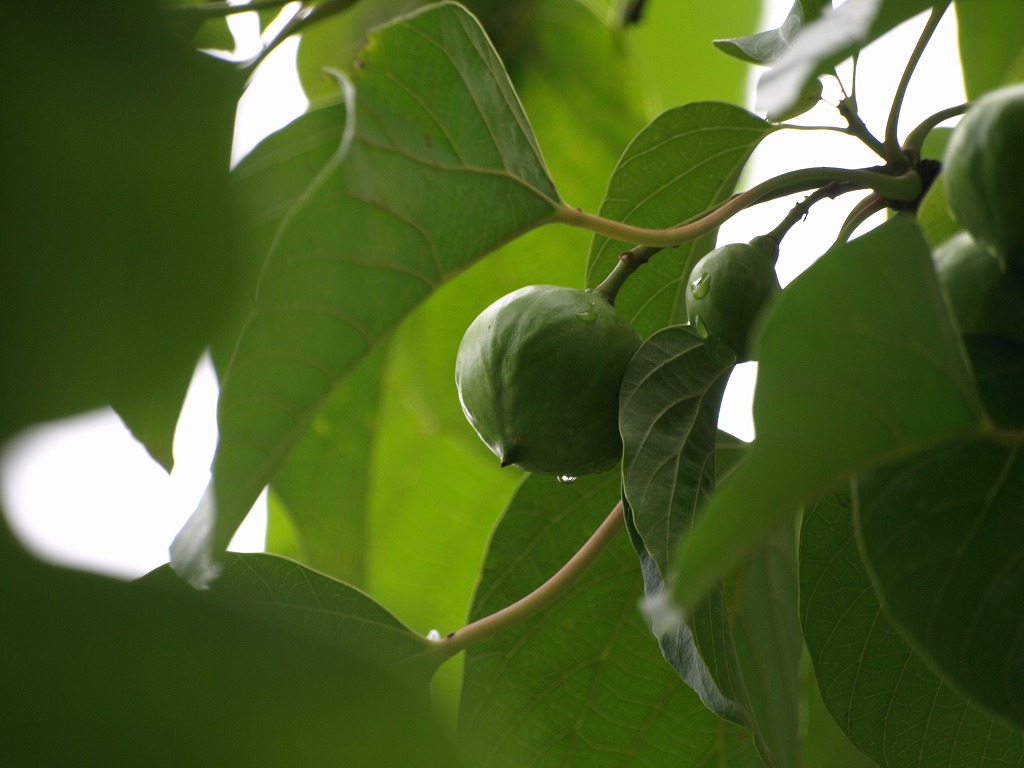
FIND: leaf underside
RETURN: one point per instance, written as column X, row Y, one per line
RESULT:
column 359, row 251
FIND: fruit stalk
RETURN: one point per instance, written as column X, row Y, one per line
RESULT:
column 893, row 152
column 540, row 598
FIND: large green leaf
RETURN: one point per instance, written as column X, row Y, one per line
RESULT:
column 823, row 43
column 860, row 365
column 943, row 536
column 334, row 40
column 442, row 168
column 991, row 49
column 324, row 484
column 889, row 702
column 689, row 158
column 118, row 230
column 101, row 672
column 583, row 684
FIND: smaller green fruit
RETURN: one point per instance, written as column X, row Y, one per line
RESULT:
column 983, row 173
column 538, row 374
column 729, row 288
column 985, row 299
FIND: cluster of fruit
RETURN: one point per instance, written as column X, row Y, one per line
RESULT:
column 539, row 371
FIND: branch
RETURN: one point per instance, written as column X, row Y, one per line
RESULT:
column 906, row 186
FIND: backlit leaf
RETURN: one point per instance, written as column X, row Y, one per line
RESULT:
column 443, row 168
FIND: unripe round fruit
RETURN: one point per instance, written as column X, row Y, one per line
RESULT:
column 983, row 173
column 727, row 290
column 985, row 299
column 539, row 373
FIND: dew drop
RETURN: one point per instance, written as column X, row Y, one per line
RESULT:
column 700, row 327
column 699, row 287
column 566, row 479
column 588, row 314
column 434, row 636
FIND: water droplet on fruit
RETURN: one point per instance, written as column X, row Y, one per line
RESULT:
column 434, row 636
column 566, row 479
column 587, row 314
column 699, row 287
column 700, row 327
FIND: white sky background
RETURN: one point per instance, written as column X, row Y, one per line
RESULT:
column 83, row 492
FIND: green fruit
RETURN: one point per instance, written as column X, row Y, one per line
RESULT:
column 983, row 173
column 727, row 290
column 985, row 299
column 538, row 374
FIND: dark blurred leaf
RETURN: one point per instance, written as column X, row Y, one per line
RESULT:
column 879, row 690
column 117, row 219
column 153, row 416
column 101, row 672
column 286, row 595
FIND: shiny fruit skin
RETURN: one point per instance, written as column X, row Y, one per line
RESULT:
column 983, row 173
column 538, row 374
column 729, row 288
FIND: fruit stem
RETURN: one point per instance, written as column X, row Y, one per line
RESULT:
column 915, row 139
column 629, row 262
column 893, row 152
column 905, row 186
column 539, row 599
column 857, row 128
column 801, row 209
column 864, row 209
